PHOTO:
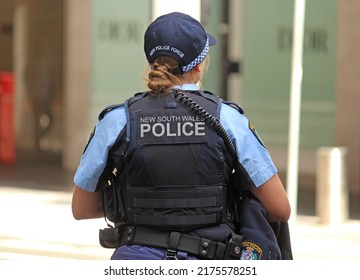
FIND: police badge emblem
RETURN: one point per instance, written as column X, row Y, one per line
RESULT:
column 253, row 130
column 250, row 251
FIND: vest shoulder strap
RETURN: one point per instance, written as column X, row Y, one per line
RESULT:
column 129, row 101
column 136, row 97
column 211, row 96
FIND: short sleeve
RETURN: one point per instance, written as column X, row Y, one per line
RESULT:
column 251, row 151
column 94, row 158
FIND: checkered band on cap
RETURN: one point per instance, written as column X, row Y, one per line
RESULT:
column 199, row 59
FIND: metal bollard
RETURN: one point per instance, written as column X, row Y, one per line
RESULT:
column 332, row 206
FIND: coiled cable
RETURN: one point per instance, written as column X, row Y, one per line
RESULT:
column 209, row 118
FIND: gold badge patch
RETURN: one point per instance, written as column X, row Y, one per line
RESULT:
column 253, row 130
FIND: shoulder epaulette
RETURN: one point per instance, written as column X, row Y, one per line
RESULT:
column 108, row 109
column 136, row 96
column 235, row 106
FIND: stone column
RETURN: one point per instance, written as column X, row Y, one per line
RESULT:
column 348, row 87
column 76, row 80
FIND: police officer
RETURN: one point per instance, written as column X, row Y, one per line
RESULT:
column 175, row 168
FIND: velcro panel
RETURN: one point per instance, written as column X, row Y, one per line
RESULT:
column 175, row 203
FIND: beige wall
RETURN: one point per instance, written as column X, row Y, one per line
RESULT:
column 76, row 80
column 348, row 87
column 38, row 59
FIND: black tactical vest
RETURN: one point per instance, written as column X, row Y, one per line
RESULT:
column 176, row 168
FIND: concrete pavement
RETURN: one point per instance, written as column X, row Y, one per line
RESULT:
column 39, row 224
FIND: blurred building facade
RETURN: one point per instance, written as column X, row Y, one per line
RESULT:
column 70, row 59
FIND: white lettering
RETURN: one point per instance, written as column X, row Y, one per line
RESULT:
column 168, row 118
column 144, row 128
column 192, row 118
column 167, row 48
column 162, row 130
column 200, row 129
column 152, row 51
column 147, row 119
column 172, row 129
column 179, row 129
column 162, row 48
column 184, row 129
column 168, row 130
column 177, row 51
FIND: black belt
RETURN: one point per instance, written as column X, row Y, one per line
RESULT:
column 176, row 241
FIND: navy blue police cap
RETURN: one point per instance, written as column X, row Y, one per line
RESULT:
column 179, row 36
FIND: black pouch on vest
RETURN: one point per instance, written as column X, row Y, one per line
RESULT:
column 109, row 238
column 111, row 200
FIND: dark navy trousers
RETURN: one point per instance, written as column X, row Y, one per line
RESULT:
column 138, row 252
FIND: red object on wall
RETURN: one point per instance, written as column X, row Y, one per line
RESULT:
column 7, row 143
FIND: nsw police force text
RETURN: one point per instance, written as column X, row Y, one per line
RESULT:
column 171, row 126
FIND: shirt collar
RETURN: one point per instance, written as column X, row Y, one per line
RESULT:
column 187, row 87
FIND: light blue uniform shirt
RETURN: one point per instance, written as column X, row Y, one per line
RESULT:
column 252, row 154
